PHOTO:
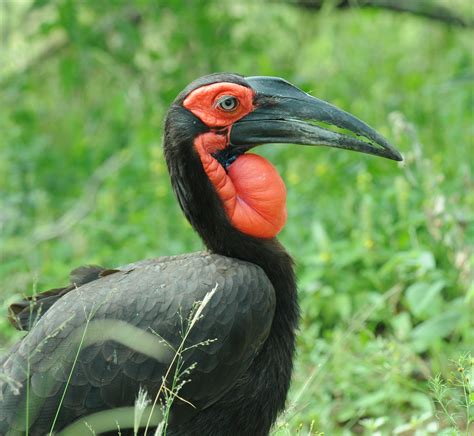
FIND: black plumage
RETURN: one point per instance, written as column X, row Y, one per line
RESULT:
column 237, row 320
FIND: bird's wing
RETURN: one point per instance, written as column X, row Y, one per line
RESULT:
column 24, row 314
column 99, row 343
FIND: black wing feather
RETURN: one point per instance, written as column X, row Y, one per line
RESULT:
column 24, row 314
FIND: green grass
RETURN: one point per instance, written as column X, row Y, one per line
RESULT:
column 384, row 251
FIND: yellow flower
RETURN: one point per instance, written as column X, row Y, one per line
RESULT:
column 369, row 243
column 324, row 256
column 320, row 169
column 363, row 180
column 293, row 178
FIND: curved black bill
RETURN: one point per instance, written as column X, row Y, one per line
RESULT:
column 285, row 114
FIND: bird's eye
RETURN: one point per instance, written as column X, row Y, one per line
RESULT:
column 228, row 103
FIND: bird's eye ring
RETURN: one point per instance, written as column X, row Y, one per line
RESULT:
column 228, row 103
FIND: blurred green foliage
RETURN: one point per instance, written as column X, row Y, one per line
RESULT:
column 384, row 252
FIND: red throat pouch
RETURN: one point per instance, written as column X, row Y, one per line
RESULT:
column 252, row 191
column 260, row 201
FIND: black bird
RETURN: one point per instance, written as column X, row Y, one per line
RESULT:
column 93, row 345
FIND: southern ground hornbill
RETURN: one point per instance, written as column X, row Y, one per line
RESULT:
column 93, row 345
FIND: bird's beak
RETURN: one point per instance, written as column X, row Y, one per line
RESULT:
column 285, row 114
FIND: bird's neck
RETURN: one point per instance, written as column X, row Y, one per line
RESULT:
column 204, row 209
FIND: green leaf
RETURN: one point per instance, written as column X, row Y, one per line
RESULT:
column 401, row 325
column 428, row 332
column 422, row 297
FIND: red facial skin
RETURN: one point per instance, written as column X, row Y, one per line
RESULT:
column 252, row 192
column 202, row 102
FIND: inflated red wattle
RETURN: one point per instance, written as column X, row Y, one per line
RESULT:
column 260, row 201
column 252, row 192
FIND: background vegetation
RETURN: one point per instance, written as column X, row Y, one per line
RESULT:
column 384, row 251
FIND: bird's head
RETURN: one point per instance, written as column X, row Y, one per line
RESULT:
column 217, row 119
